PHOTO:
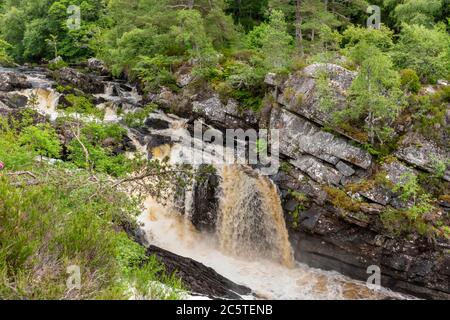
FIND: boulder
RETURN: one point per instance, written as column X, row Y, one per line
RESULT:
column 206, row 199
column 84, row 82
column 13, row 100
column 423, row 153
column 11, row 81
column 98, row 66
column 56, row 60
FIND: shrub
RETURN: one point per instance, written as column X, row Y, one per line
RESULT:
column 100, row 157
column 41, row 138
column 409, row 81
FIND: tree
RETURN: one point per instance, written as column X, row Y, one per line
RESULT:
column 191, row 33
column 273, row 41
column 422, row 12
column 306, row 17
column 424, row 50
column 5, row 58
column 375, row 94
column 247, row 13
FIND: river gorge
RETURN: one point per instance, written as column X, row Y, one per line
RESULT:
column 253, row 229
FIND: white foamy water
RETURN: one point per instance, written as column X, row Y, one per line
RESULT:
column 269, row 280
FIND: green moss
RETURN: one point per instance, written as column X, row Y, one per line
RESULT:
column 340, row 199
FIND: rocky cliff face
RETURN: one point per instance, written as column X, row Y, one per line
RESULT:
column 332, row 194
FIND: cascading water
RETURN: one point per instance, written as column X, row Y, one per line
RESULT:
column 251, row 222
column 251, row 245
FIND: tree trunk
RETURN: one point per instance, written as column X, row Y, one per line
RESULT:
column 298, row 27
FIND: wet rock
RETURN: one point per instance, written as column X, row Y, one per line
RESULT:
column 206, row 202
column 423, row 153
column 413, row 267
column 300, row 93
column 156, row 140
column 11, row 81
column 299, row 136
column 157, row 124
column 197, row 277
column 98, row 66
column 13, row 100
column 74, row 78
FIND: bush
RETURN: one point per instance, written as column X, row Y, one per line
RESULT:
column 410, row 81
column 41, row 138
column 61, row 219
column 101, row 157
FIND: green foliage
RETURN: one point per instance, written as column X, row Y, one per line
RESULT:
column 424, row 50
column 27, row 26
column 191, row 33
column 409, row 187
column 375, row 95
column 5, row 58
column 81, row 105
column 420, row 12
column 273, row 41
column 410, row 81
column 327, row 99
column 41, row 138
column 96, row 149
column 58, row 65
column 51, row 223
column 156, row 72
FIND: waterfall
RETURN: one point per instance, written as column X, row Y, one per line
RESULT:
column 251, row 222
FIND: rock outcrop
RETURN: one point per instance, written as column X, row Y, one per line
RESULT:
column 224, row 116
column 325, row 157
column 84, row 82
column 13, row 100
column 349, row 243
column 300, row 93
column 200, row 279
column 425, row 154
column 98, row 66
column 11, row 81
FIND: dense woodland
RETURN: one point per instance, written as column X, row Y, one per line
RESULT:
column 230, row 45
